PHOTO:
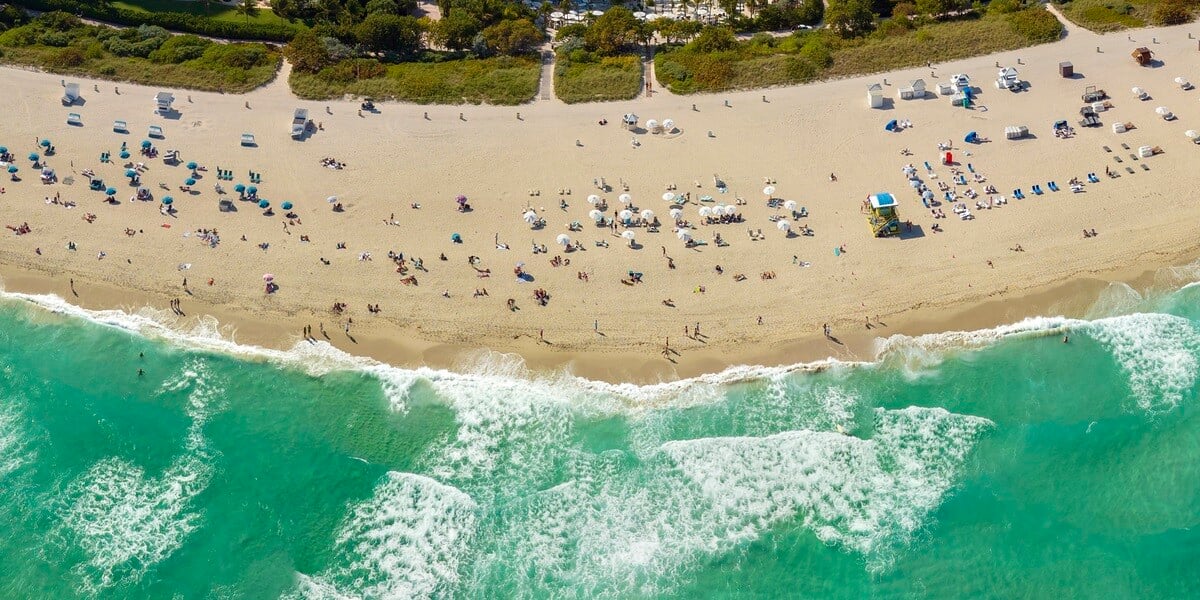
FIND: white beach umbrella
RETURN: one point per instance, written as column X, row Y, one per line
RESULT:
column 718, row 210
column 676, row 213
column 731, row 210
column 331, row 199
column 563, row 239
column 593, row 199
column 595, row 215
column 790, row 205
column 783, row 225
column 705, row 211
column 669, row 196
column 639, row 15
column 530, row 217
column 684, row 235
column 556, row 15
column 1181, row 81
column 769, row 191
column 668, row 125
column 626, row 214
column 1162, row 111
column 628, row 234
column 648, row 215
column 625, row 198
column 1137, row 91
column 651, row 124
column 1192, row 134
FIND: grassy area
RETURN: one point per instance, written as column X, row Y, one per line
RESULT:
column 1107, row 15
column 502, row 80
column 214, row 10
column 596, row 79
column 149, row 56
column 808, row 56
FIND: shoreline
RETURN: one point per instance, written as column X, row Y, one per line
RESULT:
column 1071, row 298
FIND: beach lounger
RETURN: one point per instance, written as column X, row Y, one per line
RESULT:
column 1107, row 149
column 1125, row 146
column 927, row 167
column 1091, row 177
column 74, row 119
column 1129, row 170
column 1133, row 155
column 120, row 127
column 1117, row 158
column 1145, row 167
column 971, row 167
column 1037, row 189
column 1052, row 185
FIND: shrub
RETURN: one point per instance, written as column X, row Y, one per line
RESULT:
column 56, row 39
column 67, row 57
column 354, row 70
column 1036, row 25
column 175, row 21
column 714, row 39
column 180, row 48
column 1171, row 12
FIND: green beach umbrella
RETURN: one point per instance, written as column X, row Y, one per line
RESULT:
column 239, row 188
column 168, row 200
column 130, row 173
column 34, row 156
column 192, row 166
column 12, row 168
column 110, row 191
column 252, row 190
column 124, row 154
column 286, row 206
column 146, row 143
column 3, row 149
column 45, row 143
column 189, row 181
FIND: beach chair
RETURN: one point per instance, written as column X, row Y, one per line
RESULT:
column 1052, row 185
column 1037, row 189
column 155, row 132
column 248, row 139
column 971, row 167
column 74, row 119
column 120, row 127
column 1091, row 177
column 1145, row 167
column 1129, row 170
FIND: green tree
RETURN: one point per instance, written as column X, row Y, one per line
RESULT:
column 850, row 18
column 612, row 31
column 934, row 8
column 513, row 37
column 456, row 30
column 307, row 52
column 715, row 39
column 247, row 8
column 389, row 33
column 383, row 6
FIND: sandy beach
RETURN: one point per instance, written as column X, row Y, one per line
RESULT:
column 607, row 326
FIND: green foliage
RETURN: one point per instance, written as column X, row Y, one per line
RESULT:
column 589, row 77
column 389, row 33
column 513, row 37
column 612, row 32
column 307, row 52
column 1003, row 7
column 67, row 57
column 456, row 31
column 383, row 6
column 934, row 8
column 180, row 48
column 1036, row 25
column 1171, row 12
column 500, row 80
column 1104, row 15
column 171, row 15
column 353, row 70
column 850, row 18
column 714, row 39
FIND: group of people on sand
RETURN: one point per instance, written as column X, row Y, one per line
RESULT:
column 332, row 163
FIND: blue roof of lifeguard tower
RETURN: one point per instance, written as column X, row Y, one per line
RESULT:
column 882, row 200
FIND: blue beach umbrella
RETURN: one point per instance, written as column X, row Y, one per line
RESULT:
column 124, row 154
column 34, row 156
column 111, row 191
column 168, row 200
column 252, row 190
column 130, row 173
column 189, row 181
column 239, row 188
column 3, row 149
column 263, row 204
column 12, row 168
column 146, row 143
column 286, row 206
column 192, row 166
column 45, row 143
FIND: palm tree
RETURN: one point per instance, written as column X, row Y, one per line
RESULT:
column 247, row 8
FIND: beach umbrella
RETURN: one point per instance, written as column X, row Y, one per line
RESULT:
column 684, row 235
column 286, row 206
column 1162, row 111
column 3, row 149
column 189, row 181
column 916, row 183
column 146, row 143
column 769, row 191
column 267, row 277
column 263, row 204
column 676, row 213
column 669, row 196
column 668, row 125
column 110, row 191
column 34, row 156
column 563, row 239
column 596, row 215
column 168, row 200
column 593, row 199
column 331, row 199
column 124, row 154
column 927, row 194
column 12, row 168
column 628, row 234
column 783, row 225
column 790, row 205
column 461, row 199
column 252, row 190
column 192, row 166
column 530, row 217
column 625, row 198
column 45, row 143
column 239, row 188
column 625, row 215
column 130, row 173
column 648, row 215
column 705, row 211
column 1192, row 134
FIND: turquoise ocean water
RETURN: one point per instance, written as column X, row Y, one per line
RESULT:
column 991, row 464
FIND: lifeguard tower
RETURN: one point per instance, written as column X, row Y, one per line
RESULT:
column 884, row 218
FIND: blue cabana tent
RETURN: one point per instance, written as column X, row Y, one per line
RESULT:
column 971, row 138
column 891, row 125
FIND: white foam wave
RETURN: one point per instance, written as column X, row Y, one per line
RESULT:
column 1158, row 353
column 13, row 444
column 406, row 541
column 928, row 350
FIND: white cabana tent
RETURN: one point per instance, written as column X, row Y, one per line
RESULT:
column 70, row 94
column 875, row 96
column 1008, row 79
column 915, row 90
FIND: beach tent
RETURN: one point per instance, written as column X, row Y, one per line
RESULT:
column 914, row 91
column 891, row 125
column 972, row 138
column 875, row 96
column 948, row 158
column 120, row 127
column 961, row 82
column 70, row 94
column 1008, row 79
column 1016, row 132
column 155, row 131
column 247, row 139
